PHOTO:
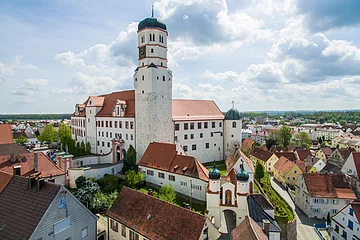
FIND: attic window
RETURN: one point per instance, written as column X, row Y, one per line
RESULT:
column 90, row 102
column 184, row 169
column 176, row 167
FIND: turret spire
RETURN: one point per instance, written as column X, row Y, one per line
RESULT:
column 152, row 10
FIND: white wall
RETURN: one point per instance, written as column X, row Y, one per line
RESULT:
column 341, row 221
column 232, row 134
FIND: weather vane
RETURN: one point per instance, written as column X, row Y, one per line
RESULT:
column 233, row 103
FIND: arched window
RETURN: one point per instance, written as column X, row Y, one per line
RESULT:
column 153, row 37
column 161, row 64
column 160, row 38
column 150, row 37
column 228, row 197
column 164, row 78
column 234, row 124
column 142, row 38
column 152, row 50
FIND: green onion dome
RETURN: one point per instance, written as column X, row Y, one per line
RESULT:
column 214, row 173
column 232, row 114
column 242, row 175
column 151, row 23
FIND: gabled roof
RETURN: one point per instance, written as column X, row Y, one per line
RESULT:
column 45, row 165
column 7, row 149
column 154, row 218
column 247, row 144
column 183, row 109
column 289, row 155
column 96, row 101
column 312, row 160
column 303, row 153
column 4, row 180
column 6, row 136
column 328, row 186
column 327, row 151
column 22, row 209
column 304, row 166
column 330, row 168
column 284, row 165
column 356, row 157
column 110, row 100
column 234, row 157
column 261, row 154
column 248, row 229
column 163, row 156
column 356, row 207
column 345, row 152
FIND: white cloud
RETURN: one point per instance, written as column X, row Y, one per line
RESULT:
column 30, row 87
column 70, row 59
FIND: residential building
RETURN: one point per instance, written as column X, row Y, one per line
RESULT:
column 34, row 209
column 323, row 153
column 302, row 154
column 31, row 137
column 317, row 163
column 197, row 127
column 259, row 137
column 350, row 142
column 12, row 148
column 163, row 165
column 330, row 168
column 345, row 223
column 155, row 219
column 319, row 194
column 339, row 156
column 289, row 155
column 351, row 169
column 269, row 159
column 305, row 167
column 248, row 145
column 286, row 171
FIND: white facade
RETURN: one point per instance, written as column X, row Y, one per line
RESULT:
column 232, row 134
column 200, row 139
column 345, row 225
column 181, row 184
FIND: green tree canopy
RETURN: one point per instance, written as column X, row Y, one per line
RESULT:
column 285, row 136
column 131, row 157
column 49, row 134
column 132, row 178
column 109, row 183
column 259, row 171
column 102, row 201
column 21, row 140
column 64, row 135
column 167, row 193
column 303, row 139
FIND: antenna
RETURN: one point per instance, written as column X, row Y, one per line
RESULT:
column 152, row 10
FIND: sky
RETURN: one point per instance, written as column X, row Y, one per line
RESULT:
column 262, row 54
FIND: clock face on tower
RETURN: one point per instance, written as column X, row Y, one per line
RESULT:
column 142, row 52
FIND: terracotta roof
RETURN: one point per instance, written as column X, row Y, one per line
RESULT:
column 356, row 157
column 7, row 149
column 328, row 186
column 4, row 180
column 110, row 101
column 248, row 229
column 247, row 144
column 22, row 209
column 163, row 156
column 311, row 160
column 284, row 165
column 195, row 110
column 356, row 207
column 234, row 157
column 345, row 152
column 155, row 219
column 261, row 154
column 45, row 165
column 327, row 151
column 277, row 149
column 304, row 166
column 6, row 136
column 303, row 153
column 289, row 155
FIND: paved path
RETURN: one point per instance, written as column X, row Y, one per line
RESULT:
column 304, row 225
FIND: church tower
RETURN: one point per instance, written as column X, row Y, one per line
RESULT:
column 153, row 87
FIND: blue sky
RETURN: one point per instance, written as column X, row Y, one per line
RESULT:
column 264, row 54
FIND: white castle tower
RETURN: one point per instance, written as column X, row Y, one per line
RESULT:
column 232, row 130
column 153, row 87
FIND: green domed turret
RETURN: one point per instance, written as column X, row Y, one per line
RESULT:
column 242, row 175
column 151, row 22
column 214, row 173
column 232, row 114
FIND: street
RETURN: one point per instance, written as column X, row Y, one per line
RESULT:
column 305, row 229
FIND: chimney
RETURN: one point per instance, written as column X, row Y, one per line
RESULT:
column 266, row 227
column 36, row 162
column 40, row 183
column 18, row 159
column 31, row 182
column 12, row 158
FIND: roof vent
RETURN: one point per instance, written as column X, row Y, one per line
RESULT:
column 176, row 167
column 149, row 216
column 184, row 169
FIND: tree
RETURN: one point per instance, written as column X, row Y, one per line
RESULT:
column 49, row 134
column 82, row 148
column 64, row 135
column 131, row 157
column 167, row 193
column 132, row 178
column 88, row 148
column 80, row 182
column 77, row 151
column 328, row 219
column 259, row 171
column 303, row 139
column 282, row 122
column 21, row 140
column 102, row 202
column 87, row 191
column 272, row 140
column 109, row 183
column 285, row 136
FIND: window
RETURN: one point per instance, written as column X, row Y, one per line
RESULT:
column 220, row 124
column 344, row 234
column 120, row 124
column 185, row 148
column 108, row 144
column 84, row 233
column 336, row 228
column 107, row 134
column 123, row 230
column 172, row 178
column 205, row 233
column 98, row 143
column 191, row 125
column 116, row 123
column 127, row 125
column 150, row 172
column 110, row 124
column 186, row 126
column 175, row 138
column 161, row 175
column 213, row 124
column 110, row 134
column 234, row 124
column 191, row 136
column 102, row 123
column 152, row 50
column 133, row 235
column 207, row 145
column 205, row 125
column 351, row 211
column 164, row 78
column 193, row 147
column 183, row 183
column 99, row 134
column 142, row 77
column 131, row 125
column 62, row 225
column 201, row 135
column 131, row 137
column 335, row 201
column 107, row 124
column 103, row 144
column 127, row 137
column 177, row 127
column 295, row 172
column 350, row 224
column 199, row 125
column 185, row 136
column 211, row 134
column 142, row 38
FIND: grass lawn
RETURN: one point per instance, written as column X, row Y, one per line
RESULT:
column 219, row 165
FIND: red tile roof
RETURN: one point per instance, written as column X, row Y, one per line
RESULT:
column 163, row 156
column 303, row 153
column 247, row 144
column 261, row 154
column 328, row 186
column 248, row 229
column 45, row 165
column 327, row 151
column 234, row 157
column 154, row 218
column 284, row 165
column 4, row 180
column 345, row 152
column 110, row 101
column 304, row 166
column 356, row 207
column 289, row 155
column 6, row 136
column 195, row 110
column 7, row 149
